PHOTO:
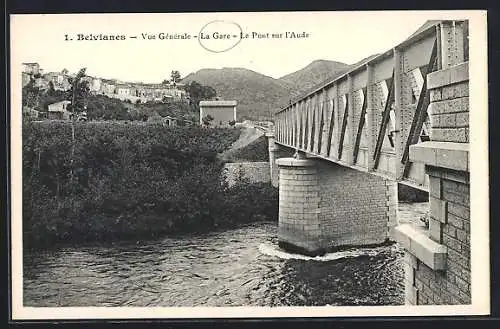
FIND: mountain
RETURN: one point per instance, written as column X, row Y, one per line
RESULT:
column 314, row 73
column 258, row 95
column 302, row 92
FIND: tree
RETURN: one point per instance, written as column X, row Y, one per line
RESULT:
column 51, row 90
column 208, row 92
column 30, row 94
column 165, row 82
column 195, row 91
column 77, row 95
column 198, row 92
column 175, row 76
column 207, row 119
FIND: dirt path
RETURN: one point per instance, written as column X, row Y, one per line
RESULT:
column 247, row 136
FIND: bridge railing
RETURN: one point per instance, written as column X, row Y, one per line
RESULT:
column 368, row 117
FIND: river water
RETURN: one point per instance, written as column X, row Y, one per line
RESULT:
column 237, row 267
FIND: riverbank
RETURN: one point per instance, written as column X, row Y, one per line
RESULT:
column 130, row 182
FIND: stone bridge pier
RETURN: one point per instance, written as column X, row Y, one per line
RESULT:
column 273, row 155
column 324, row 206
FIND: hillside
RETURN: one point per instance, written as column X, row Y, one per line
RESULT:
column 314, row 73
column 258, row 95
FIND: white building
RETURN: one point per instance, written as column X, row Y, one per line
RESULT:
column 222, row 112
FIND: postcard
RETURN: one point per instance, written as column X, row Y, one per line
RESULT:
column 249, row 165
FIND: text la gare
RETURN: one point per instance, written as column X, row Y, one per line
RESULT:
column 218, row 35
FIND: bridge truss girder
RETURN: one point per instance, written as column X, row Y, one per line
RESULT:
column 368, row 117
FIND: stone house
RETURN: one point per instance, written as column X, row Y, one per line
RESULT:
column 59, row 110
column 31, row 68
column 95, row 86
column 32, row 71
column 157, row 92
column 30, row 113
column 108, row 87
column 123, row 90
column 59, row 80
column 170, row 121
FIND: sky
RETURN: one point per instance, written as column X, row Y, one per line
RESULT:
column 340, row 36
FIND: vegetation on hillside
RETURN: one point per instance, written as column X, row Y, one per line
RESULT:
column 131, row 181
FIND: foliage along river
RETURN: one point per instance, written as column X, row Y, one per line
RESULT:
column 238, row 267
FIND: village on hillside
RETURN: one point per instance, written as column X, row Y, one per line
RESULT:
column 59, row 83
column 171, row 102
column 133, row 91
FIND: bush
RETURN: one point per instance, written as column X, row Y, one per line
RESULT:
column 130, row 181
column 247, row 203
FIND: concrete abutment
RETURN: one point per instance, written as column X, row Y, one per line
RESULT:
column 438, row 258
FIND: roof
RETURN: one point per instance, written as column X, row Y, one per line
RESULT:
column 218, row 103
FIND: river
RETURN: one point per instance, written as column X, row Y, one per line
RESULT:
column 237, row 267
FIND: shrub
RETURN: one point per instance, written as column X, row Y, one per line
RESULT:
column 134, row 180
